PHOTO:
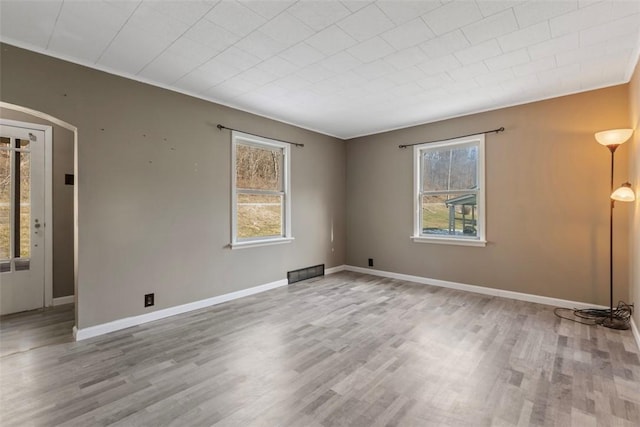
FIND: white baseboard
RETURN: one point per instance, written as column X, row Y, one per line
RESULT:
column 636, row 333
column 64, row 300
column 336, row 269
column 557, row 302
column 127, row 322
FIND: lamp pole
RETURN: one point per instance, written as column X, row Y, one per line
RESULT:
column 610, row 323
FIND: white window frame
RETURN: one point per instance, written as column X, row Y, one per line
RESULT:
column 418, row 236
column 260, row 142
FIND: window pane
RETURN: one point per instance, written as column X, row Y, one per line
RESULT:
column 24, row 191
column 452, row 214
column 450, row 169
column 22, row 143
column 4, row 142
column 259, row 215
column 5, row 203
column 259, row 168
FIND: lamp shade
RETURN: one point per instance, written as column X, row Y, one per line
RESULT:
column 624, row 193
column 613, row 136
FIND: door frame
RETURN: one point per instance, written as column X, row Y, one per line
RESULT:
column 48, row 203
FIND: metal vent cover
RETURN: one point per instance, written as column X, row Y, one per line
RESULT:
column 305, row 273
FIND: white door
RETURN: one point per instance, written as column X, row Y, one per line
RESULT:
column 22, row 213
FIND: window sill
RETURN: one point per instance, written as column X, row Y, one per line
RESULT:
column 257, row 243
column 449, row 241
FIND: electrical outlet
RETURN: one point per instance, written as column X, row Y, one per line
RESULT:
column 370, row 262
column 148, row 300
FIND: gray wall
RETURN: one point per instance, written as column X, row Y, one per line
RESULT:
column 62, row 202
column 547, row 201
column 154, row 189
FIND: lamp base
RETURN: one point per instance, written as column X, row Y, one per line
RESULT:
column 615, row 323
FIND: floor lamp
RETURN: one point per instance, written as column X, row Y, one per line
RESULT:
column 612, row 139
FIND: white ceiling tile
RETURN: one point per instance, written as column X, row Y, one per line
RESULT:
column 452, row 15
column 525, row 37
column 407, row 75
column 168, row 67
column 286, row 29
column 269, row 9
column 580, row 54
column 533, row 12
column 491, row 27
column 580, row 19
column 84, row 30
column 331, row 40
column 127, row 6
column 623, row 8
column 237, row 58
column 406, row 10
column 409, row 34
column 212, row 35
column 234, row 17
column 232, row 88
column 406, row 58
column 434, row 82
column 371, row 50
column 508, row 60
column 494, row 78
column 440, row 65
column 197, row 81
column 319, row 14
column 192, row 50
column 559, row 73
column 277, row 66
column 445, row 44
column 354, row 5
column 491, row 7
column 151, row 21
column 554, row 46
column 315, row 73
column 381, row 84
column 301, row 55
column 366, row 23
column 461, row 86
column 188, row 12
column 468, row 72
column 120, row 56
column 218, row 70
column 260, row 45
column 625, row 26
column 520, row 85
column 374, row 70
column 340, row 62
column 476, row 53
column 29, row 22
column 293, row 82
column 533, row 67
column 257, row 76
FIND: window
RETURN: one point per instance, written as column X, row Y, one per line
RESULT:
column 449, row 192
column 261, row 199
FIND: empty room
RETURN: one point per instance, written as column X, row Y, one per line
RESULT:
column 319, row 213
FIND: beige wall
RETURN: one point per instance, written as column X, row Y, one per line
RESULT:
column 154, row 189
column 547, row 200
column 634, row 178
column 62, row 202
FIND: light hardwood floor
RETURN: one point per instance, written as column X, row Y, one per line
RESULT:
column 344, row 350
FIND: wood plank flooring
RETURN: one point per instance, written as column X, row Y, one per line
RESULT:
column 344, row 350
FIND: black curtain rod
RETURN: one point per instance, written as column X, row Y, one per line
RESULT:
column 501, row 129
column 296, row 144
